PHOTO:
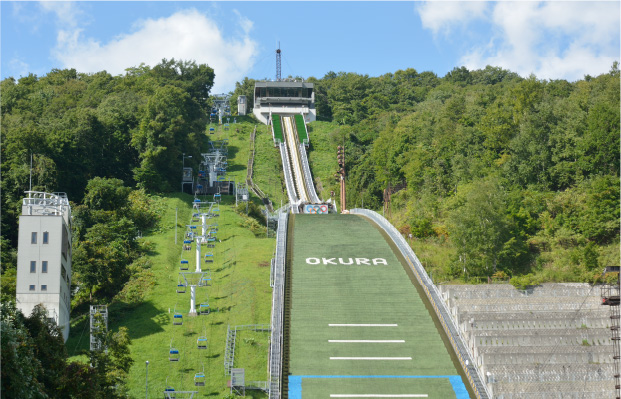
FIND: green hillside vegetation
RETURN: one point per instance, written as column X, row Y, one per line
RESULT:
column 493, row 176
column 504, row 176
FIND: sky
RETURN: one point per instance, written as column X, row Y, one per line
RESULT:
column 550, row 39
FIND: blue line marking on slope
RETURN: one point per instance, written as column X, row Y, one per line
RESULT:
column 295, row 382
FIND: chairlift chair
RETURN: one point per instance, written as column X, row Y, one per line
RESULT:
column 177, row 319
column 169, row 392
column 209, row 257
column 204, row 308
column 201, row 342
column 181, row 288
column 184, row 265
column 199, row 378
column 173, row 355
column 187, row 241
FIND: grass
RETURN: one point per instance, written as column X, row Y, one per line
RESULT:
column 268, row 173
column 322, row 157
column 239, row 294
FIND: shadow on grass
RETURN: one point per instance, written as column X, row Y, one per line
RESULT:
column 141, row 320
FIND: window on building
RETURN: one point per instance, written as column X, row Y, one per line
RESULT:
column 63, row 272
column 46, row 237
column 33, row 237
column 33, row 266
column 43, row 287
column 44, row 266
column 31, row 287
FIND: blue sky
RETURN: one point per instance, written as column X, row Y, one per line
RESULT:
column 553, row 40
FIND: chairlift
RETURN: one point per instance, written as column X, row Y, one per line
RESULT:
column 169, row 392
column 211, row 239
column 205, row 281
column 173, row 354
column 193, row 227
column 204, row 308
column 177, row 318
column 201, row 342
column 181, row 288
column 209, row 257
column 199, row 378
column 184, row 265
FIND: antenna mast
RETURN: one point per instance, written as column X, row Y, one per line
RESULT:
column 278, row 69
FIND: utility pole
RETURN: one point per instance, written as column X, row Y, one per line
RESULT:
column 340, row 157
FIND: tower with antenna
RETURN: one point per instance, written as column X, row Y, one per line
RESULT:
column 278, row 68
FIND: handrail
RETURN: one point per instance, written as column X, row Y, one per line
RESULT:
column 278, row 295
column 450, row 327
column 284, row 156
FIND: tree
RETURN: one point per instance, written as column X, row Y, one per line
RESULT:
column 20, row 367
column 480, row 229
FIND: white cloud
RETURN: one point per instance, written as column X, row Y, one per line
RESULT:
column 441, row 16
column 185, row 35
column 67, row 13
column 553, row 40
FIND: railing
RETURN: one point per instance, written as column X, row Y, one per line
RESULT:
column 231, row 337
column 308, row 178
column 278, row 295
column 42, row 203
column 286, row 167
column 449, row 325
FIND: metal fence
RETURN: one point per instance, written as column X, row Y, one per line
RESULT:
column 449, row 325
column 278, row 296
column 308, row 178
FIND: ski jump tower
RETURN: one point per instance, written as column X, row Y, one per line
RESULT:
column 284, row 97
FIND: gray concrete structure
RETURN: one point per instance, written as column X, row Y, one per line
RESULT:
column 44, row 256
column 551, row 341
column 284, row 98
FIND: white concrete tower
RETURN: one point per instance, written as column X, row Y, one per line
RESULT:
column 44, row 256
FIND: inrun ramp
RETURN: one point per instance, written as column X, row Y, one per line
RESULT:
column 358, row 327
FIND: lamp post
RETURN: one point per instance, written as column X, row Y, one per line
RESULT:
column 147, row 381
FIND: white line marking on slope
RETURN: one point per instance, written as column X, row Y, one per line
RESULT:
column 371, row 341
column 363, row 325
column 370, row 358
column 372, row 395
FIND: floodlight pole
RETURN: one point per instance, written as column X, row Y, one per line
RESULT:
column 147, row 381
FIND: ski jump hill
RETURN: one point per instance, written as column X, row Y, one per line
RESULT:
column 358, row 326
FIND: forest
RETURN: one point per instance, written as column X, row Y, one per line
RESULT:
column 491, row 176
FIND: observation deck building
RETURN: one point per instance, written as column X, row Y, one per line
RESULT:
column 283, row 98
column 44, row 256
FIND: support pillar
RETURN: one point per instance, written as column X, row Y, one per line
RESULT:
column 198, row 254
column 192, row 300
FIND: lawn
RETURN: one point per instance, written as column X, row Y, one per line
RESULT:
column 239, row 294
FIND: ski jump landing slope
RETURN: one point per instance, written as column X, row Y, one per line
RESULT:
column 358, row 326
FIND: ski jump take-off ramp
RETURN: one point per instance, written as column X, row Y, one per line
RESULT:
column 352, row 315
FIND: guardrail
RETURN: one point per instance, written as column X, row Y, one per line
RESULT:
column 308, row 178
column 284, row 156
column 278, row 295
column 450, row 327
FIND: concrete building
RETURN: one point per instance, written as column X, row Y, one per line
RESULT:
column 241, row 105
column 284, row 98
column 44, row 256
